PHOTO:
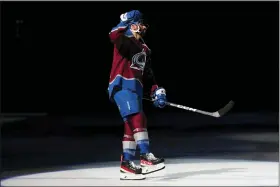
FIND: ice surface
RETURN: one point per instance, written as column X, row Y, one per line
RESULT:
column 178, row 172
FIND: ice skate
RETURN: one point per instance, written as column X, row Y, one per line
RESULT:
column 150, row 163
column 129, row 171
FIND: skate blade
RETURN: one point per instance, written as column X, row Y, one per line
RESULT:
column 147, row 169
column 131, row 176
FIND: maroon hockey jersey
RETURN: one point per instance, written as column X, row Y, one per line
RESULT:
column 131, row 67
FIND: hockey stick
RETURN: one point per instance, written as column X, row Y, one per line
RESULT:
column 216, row 114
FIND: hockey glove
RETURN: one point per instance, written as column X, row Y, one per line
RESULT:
column 133, row 16
column 159, row 97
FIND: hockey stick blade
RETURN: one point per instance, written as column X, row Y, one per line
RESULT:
column 224, row 110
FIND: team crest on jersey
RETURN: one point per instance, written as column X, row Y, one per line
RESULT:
column 138, row 61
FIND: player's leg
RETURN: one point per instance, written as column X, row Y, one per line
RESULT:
column 148, row 161
column 129, row 171
column 127, row 103
column 128, row 143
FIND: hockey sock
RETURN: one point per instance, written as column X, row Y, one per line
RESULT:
column 129, row 145
column 137, row 123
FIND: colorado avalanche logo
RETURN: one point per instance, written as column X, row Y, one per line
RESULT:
column 138, row 61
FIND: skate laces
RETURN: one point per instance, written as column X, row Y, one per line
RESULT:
column 133, row 165
column 151, row 156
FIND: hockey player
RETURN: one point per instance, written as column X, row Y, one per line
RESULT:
column 131, row 72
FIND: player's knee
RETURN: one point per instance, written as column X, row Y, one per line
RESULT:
column 144, row 120
column 136, row 121
column 128, row 132
column 140, row 133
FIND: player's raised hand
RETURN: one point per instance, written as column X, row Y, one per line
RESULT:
column 131, row 17
column 159, row 97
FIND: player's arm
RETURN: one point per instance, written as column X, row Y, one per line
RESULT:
column 149, row 79
column 117, row 32
column 157, row 93
column 120, row 41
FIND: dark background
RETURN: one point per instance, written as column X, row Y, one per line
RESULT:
column 56, row 59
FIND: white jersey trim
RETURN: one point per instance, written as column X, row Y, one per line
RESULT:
column 117, row 29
